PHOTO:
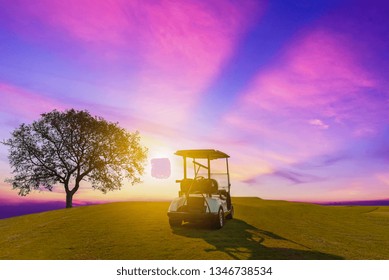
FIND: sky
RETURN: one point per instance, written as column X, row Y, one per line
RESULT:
column 296, row 92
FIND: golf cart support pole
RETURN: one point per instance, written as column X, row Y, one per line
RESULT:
column 184, row 167
column 209, row 168
column 228, row 176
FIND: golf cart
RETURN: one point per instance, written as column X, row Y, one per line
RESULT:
column 202, row 198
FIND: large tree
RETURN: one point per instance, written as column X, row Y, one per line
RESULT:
column 73, row 146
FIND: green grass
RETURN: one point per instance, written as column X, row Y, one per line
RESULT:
column 262, row 229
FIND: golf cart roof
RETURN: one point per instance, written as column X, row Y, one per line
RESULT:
column 202, row 153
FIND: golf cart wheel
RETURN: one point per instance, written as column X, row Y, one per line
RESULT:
column 219, row 222
column 231, row 214
column 175, row 222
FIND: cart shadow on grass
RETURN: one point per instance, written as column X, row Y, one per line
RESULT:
column 240, row 240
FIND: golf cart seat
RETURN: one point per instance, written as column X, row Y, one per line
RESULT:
column 207, row 186
column 185, row 184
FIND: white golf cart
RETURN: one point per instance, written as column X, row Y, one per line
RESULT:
column 205, row 197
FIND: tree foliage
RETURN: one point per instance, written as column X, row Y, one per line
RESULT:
column 70, row 147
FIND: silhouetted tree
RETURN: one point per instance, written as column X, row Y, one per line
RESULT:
column 72, row 146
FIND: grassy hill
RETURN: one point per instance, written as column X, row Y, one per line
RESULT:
column 263, row 229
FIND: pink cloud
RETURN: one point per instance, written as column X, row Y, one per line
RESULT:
column 316, row 82
column 319, row 72
column 318, row 123
column 92, row 22
column 17, row 101
column 185, row 49
column 318, row 69
column 177, row 48
column 8, row 195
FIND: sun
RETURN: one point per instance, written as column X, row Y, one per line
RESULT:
column 161, row 158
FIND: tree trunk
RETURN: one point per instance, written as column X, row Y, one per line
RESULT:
column 69, row 200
